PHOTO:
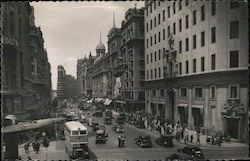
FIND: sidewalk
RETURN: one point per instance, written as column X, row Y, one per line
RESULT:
column 202, row 140
column 55, row 151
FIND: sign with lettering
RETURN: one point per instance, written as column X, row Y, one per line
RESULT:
column 9, row 41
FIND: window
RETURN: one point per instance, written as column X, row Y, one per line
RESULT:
column 202, row 64
column 155, row 22
column 147, row 27
column 168, row 31
column 168, row 11
column 174, row 28
column 74, row 132
column 155, row 73
column 194, row 65
column 174, row 8
column 234, row 59
column 194, row 17
column 187, row 44
column 159, row 3
column 202, row 38
column 154, row 92
column 180, row 68
column 233, row 91
column 155, row 38
column 234, row 29
column 186, row 21
column 163, row 15
column 183, row 92
column 154, row 4
column 187, row 70
column 159, row 72
column 198, row 92
column 147, row 74
column 151, row 57
column 151, row 74
column 234, row 4
column 147, row 11
column 155, row 56
column 180, row 46
column 213, row 35
column 194, row 41
column 213, row 62
column 213, row 6
column 179, row 5
column 162, row 93
column 150, row 8
column 82, row 132
column 212, row 91
column 151, row 41
column 202, row 13
column 159, row 36
column 187, row 2
column 164, row 34
column 180, row 25
column 159, row 54
column 159, row 18
column 151, row 24
column 147, row 59
column 147, row 43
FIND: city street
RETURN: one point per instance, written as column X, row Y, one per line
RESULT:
column 111, row 151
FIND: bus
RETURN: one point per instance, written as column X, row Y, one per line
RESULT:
column 76, row 140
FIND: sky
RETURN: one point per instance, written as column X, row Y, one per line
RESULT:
column 71, row 30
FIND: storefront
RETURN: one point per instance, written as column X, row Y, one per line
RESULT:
column 183, row 113
column 198, row 115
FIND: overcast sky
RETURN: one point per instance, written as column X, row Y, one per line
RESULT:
column 72, row 29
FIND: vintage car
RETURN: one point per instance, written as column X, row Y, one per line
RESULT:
column 100, row 137
column 165, row 140
column 179, row 156
column 107, row 120
column 144, row 141
column 194, row 151
column 118, row 128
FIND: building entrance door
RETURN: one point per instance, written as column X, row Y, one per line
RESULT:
column 233, row 127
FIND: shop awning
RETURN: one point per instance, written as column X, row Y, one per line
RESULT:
column 197, row 106
column 122, row 102
column 107, row 101
column 31, row 125
column 182, row 105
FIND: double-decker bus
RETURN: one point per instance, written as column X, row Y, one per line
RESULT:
column 76, row 140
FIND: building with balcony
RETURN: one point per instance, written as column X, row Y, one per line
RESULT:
column 25, row 85
column 67, row 85
column 129, row 67
column 196, row 64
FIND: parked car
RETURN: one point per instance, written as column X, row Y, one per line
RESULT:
column 144, row 141
column 179, row 157
column 194, row 151
column 100, row 137
column 165, row 140
column 102, row 127
column 118, row 128
column 97, row 114
column 107, row 120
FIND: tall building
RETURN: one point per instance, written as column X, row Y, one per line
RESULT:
column 129, row 67
column 88, row 78
column 67, row 85
column 26, row 83
column 82, row 74
column 196, row 64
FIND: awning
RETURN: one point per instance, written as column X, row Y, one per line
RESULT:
column 122, row 102
column 107, row 101
column 182, row 105
column 31, row 125
column 197, row 106
column 90, row 101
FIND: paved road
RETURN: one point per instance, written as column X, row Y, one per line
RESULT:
column 110, row 150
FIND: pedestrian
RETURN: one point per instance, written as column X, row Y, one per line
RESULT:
column 122, row 140
column 119, row 141
column 29, row 158
column 198, row 139
column 34, row 146
column 37, row 147
column 26, row 148
column 191, row 138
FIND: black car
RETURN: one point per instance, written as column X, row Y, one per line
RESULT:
column 194, row 151
column 144, row 141
column 118, row 128
column 100, row 137
column 165, row 140
column 179, row 156
column 97, row 114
